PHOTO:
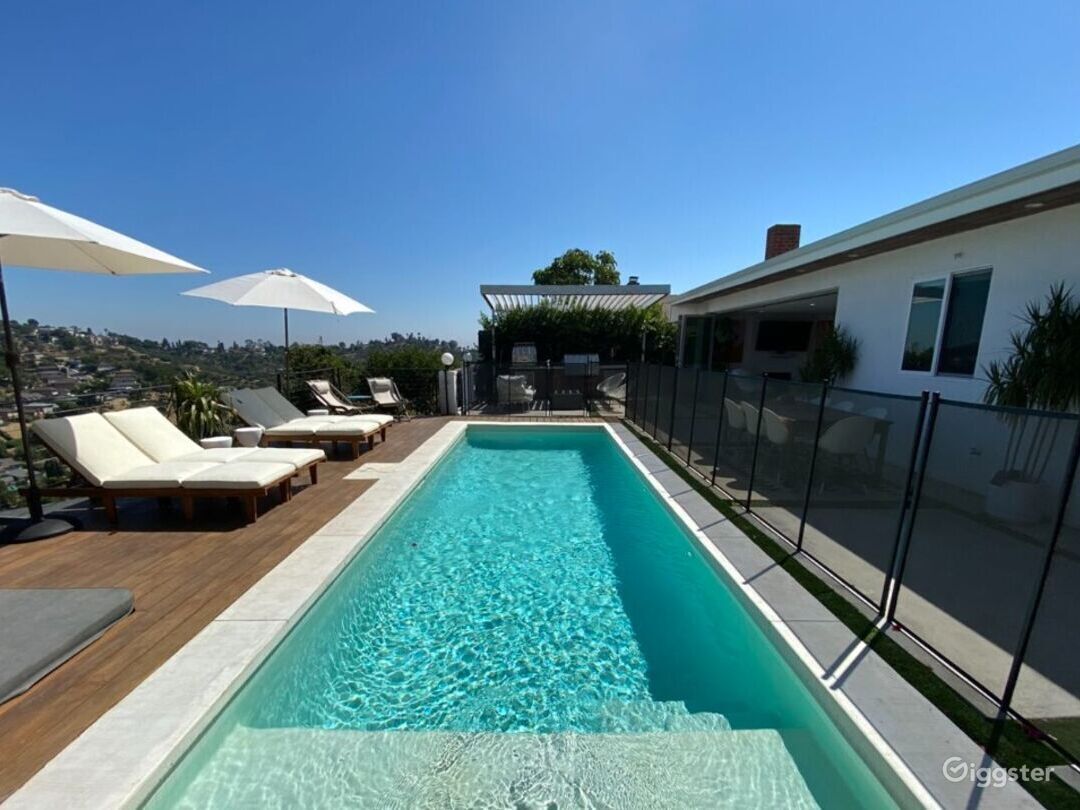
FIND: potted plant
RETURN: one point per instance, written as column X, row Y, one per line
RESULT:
column 833, row 358
column 198, row 408
column 1041, row 373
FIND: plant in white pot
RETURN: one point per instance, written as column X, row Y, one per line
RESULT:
column 1042, row 373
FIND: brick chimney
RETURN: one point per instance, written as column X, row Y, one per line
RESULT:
column 780, row 239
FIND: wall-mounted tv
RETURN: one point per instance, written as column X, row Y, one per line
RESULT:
column 783, row 336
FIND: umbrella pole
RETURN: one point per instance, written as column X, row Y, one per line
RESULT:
column 39, row 528
column 287, row 389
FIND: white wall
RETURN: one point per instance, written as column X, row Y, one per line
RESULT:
column 874, row 295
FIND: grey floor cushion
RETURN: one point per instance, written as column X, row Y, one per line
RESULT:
column 42, row 628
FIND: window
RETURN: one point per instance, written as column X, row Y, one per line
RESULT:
column 963, row 299
column 963, row 323
column 922, row 326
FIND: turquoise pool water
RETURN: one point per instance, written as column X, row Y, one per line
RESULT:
column 531, row 628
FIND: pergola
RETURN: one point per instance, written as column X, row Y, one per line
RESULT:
column 505, row 297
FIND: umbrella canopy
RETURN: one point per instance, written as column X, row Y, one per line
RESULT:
column 281, row 289
column 33, row 234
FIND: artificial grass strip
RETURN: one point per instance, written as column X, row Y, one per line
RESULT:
column 1015, row 749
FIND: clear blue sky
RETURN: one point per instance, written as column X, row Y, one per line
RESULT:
column 407, row 152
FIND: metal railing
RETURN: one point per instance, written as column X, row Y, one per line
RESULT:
column 957, row 523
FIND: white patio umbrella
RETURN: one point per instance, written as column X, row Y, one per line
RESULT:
column 281, row 289
column 36, row 235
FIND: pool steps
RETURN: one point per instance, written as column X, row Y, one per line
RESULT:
column 438, row 769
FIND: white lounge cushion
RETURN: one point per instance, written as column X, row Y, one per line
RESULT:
column 240, row 475
column 221, row 455
column 382, row 419
column 253, row 410
column 166, row 475
column 93, row 447
column 293, row 429
column 349, row 428
column 299, row 457
column 151, row 432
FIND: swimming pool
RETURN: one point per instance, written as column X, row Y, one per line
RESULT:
column 531, row 628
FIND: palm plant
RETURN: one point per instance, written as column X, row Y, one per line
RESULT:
column 1042, row 372
column 198, row 407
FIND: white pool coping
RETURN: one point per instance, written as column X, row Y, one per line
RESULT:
column 119, row 760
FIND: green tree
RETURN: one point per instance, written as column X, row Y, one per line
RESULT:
column 578, row 266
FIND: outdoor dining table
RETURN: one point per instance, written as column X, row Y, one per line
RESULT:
column 805, row 415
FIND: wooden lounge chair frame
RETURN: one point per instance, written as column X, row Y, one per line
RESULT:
column 306, row 437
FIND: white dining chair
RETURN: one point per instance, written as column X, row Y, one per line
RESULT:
column 846, row 442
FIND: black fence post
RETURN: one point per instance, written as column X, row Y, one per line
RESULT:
column 905, row 501
column 1036, row 597
column 813, row 464
column 719, row 428
column 626, row 393
column 693, row 415
column 757, row 441
column 902, row 552
column 674, row 402
column 656, row 410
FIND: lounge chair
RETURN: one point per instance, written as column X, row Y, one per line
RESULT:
column 110, row 466
column 335, row 401
column 277, row 401
column 163, row 441
column 385, row 394
column 288, row 424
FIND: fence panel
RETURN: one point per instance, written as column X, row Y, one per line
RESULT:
column 633, row 383
column 647, row 421
column 707, row 421
column 682, row 426
column 980, row 534
column 789, row 424
column 665, row 398
column 864, row 452
column 1048, row 690
column 736, row 452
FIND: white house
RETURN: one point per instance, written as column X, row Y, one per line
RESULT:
column 931, row 291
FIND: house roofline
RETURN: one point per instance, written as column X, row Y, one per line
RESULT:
column 1052, row 181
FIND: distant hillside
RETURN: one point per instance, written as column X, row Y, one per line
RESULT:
column 62, row 363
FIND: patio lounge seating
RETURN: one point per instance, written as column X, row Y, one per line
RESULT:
column 44, row 627
column 286, row 410
column 385, row 393
column 613, row 386
column 112, row 467
column 266, row 408
column 338, row 403
column 149, row 430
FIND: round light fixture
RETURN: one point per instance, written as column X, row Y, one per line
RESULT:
column 447, row 359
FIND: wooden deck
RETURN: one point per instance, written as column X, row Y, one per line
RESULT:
column 182, row 576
